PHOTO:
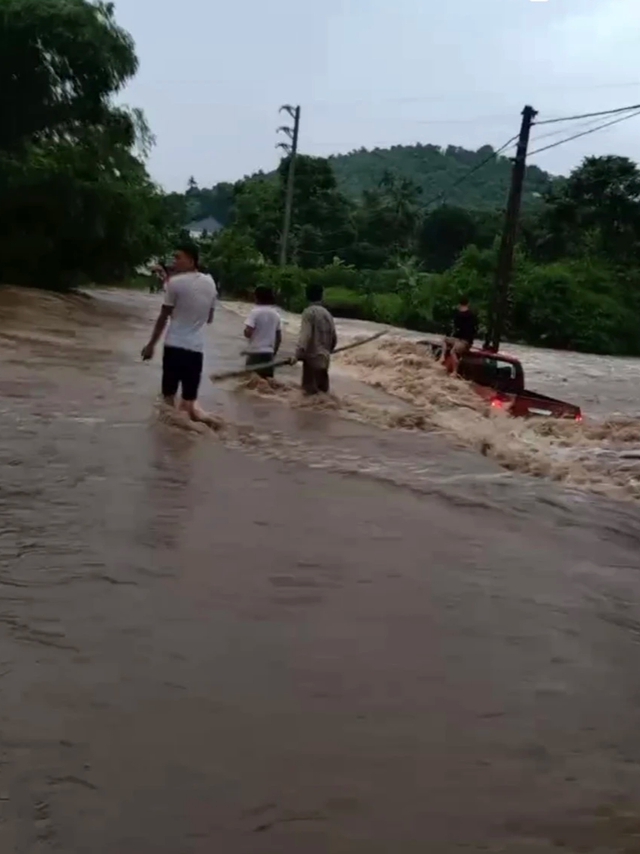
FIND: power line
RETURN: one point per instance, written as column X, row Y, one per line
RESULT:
column 392, row 143
column 439, row 197
column 494, row 154
column 449, row 97
column 587, row 125
column 590, row 115
column 560, row 131
column 584, row 133
column 442, row 120
column 472, row 171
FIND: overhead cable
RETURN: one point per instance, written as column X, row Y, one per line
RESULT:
column 472, row 171
column 584, row 133
column 589, row 115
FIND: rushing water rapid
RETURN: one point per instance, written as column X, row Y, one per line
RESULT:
column 384, row 621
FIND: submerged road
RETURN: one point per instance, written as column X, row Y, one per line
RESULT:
column 309, row 636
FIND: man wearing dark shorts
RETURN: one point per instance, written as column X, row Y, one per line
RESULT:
column 263, row 329
column 189, row 305
column 465, row 330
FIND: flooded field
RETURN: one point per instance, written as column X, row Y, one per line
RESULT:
column 357, row 625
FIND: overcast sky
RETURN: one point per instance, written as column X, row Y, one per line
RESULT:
column 375, row 72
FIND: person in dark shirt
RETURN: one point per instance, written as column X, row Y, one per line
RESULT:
column 464, row 332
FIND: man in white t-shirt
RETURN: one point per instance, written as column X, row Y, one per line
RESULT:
column 189, row 305
column 263, row 328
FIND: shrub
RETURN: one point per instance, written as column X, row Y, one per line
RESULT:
column 343, row 302
column 388, row 308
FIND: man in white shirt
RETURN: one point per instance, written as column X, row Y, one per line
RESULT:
column 189, row 305
column 263, row 328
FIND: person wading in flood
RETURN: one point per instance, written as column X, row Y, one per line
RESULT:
column 317, row 342
column 159, row 278
column 465, row 330
column 189, row 305
column 263, row 328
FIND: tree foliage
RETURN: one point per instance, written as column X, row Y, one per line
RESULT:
column 60, row 63
column 435, row 171
column 76, row 203
column 201, row 203
column 596, row 209
column 430, row 170
column 577, row 271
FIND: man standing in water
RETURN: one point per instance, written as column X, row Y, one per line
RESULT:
column 263, row 328
column 465, row 330
column 317, row 342
column 189, row 305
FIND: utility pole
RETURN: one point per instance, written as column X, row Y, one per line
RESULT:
column 291, row 149
column 502, row 293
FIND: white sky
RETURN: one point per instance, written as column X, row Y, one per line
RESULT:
column 375, row 72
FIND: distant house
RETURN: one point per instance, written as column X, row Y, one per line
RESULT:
column 203, row 227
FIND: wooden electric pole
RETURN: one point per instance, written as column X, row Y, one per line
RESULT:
column 502, row 293
column 291, row 148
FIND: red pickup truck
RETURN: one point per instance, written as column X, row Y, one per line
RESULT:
column 499, row 379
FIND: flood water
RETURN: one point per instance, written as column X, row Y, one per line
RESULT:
column 312, row 631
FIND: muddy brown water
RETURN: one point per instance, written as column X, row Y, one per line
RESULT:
column 307, row 634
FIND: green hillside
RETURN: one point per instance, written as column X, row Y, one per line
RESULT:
column 435, row 170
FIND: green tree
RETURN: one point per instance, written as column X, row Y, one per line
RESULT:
column 440, row 173
column 573, row 304
column 577, row 266
column 216, row 202
column 387, row 222
column 596, row 208
column 444, row 233
column 322, row 225
column 61, row 61
column 257, row 212
column 98, row 215
column 76, row 203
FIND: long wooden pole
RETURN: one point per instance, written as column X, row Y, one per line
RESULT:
column 291, row 178
column 500, row 308
column 229, row 375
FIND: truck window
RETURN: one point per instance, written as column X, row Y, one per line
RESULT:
column 488, row 371
column 499, row 370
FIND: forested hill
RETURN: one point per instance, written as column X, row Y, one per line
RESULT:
column 435, row 170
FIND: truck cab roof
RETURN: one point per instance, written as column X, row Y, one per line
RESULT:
column 490, row 354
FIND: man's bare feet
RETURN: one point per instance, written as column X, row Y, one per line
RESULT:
column 199, row 417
